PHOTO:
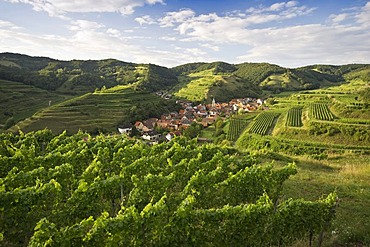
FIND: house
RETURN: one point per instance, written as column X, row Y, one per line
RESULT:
column 181, row 112
column 151, row 136
column 208, row 121
column 170, row 136
column 202, row 113
column 213, row 113
column 173, row 115
column 163, row 123
column 139, row 125
column 185, row 121
column 174, row 124
column 126, row 131
column 149, row 124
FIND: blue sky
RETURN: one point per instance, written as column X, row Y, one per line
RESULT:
column 174, row 32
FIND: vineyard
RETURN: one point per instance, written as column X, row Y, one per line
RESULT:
column 263, row 123
column 294, row 117
column 236, row 127
column 110, row 191
column 320, row 111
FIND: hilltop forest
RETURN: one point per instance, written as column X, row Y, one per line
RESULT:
column 291, row 171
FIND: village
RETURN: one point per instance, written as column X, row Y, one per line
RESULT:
column 175, row 123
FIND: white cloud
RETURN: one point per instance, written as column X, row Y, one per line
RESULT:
column 58, row 8
column 92, row 40
column 114, row 32
column 338, row 18
column 237, row 36
column 308, row 44
column 172, row 18
column 273, row 8
column 292, row 45
column 80, row 25
column 212, row 47
column 281, row 6
column 195, row 51
column 146, row 19
column 363, row 16
column 8, row 25
column 210, row 26
column 168, row 38
column 152, row 2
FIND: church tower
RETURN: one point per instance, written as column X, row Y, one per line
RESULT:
column 213, row 102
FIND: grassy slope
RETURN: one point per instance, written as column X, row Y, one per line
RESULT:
column 103, row 110
column 349, row 176
column 208, row 84
column 195, row 86
column 347, row 173
column 23, row 101
column 338, row 98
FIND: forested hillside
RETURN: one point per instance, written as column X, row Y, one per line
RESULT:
column 78, row 77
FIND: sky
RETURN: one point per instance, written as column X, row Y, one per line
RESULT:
column 174, row 32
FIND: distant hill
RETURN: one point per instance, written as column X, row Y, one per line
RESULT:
column 78, row 76
column 227, row 80
column 34, row 84
column 82, row 76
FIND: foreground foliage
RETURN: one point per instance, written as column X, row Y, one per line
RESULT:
column 108, row 191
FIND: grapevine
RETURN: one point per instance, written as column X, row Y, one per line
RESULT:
column 110, row 191
column 320, row 111
column 236, row 127
column 263, row 123
column 294, row 117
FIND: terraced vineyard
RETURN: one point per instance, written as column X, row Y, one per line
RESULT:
column 21, row 101
column 294, row 117
column 320, row 111
column 263, row 123
column 236, row 127
column 196, row 85
column 92, row 111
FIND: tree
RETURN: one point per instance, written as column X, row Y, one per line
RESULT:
column 134, row 132
column 219, row 127
column 193, row 130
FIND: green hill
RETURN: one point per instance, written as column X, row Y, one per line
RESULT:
column 19, row 101
column 99, row 111
column 28, row 84
column 204, row 81
column 78, row 77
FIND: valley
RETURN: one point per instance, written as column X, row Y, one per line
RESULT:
column 315, row 117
